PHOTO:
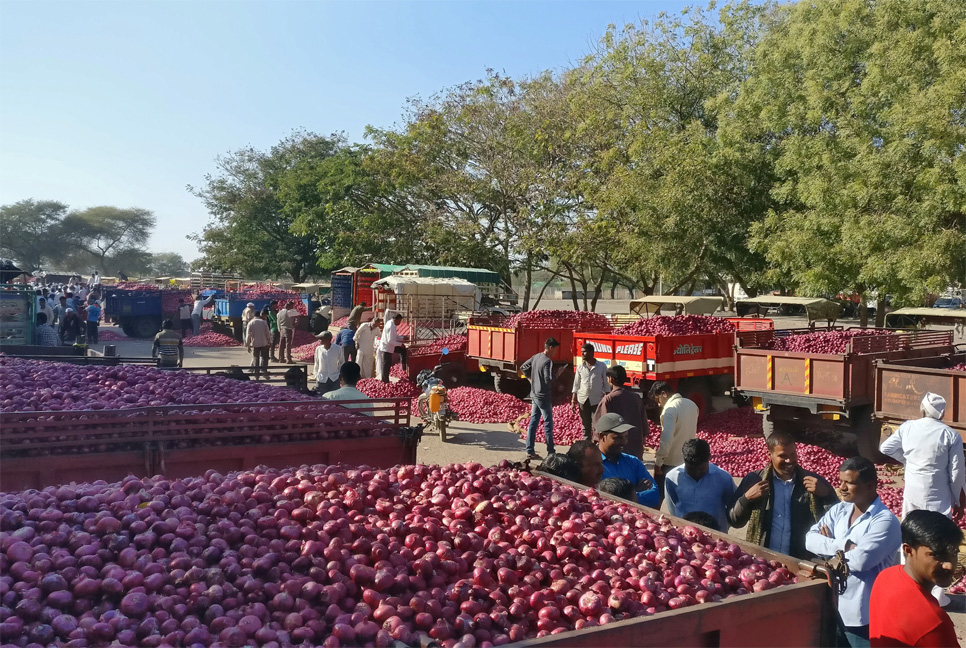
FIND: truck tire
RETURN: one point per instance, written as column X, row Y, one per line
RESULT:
column 128, row 328
column 145, row 327
column 698, row 391
column 867, row 434
column 236, row 328
column 562, row 386
column 452, row 375
column 503, row 384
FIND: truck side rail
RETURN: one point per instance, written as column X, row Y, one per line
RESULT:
column 34, row 434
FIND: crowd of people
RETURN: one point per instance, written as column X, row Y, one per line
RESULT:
column 894, row 594
column 68, row 313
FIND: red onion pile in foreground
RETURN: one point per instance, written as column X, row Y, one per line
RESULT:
column 335, row 556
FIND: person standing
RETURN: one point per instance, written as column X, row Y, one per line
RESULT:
column 355, row 315
column 44, row 307
column 781, row 502
column 699, row 485
column 328, row 360
column 902, row 611
column 273, row 326
column 168, row 347
column 246, row 317
column 933, row 456
column 46, row 336
column 184, row 316
column 679, row 423
column 869, row 534
column 590, row 385
column 539, row 369
column 286, row 331
column 365, row 343
column 59, row 310
column 258, row 340
column 612, row 432
column 198, row 310
column 623, row 401
column 346, row 340
column 70, row 326
column 390, row 342
column 93, row 321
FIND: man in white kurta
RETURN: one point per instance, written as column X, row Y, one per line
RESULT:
column 932, row 453
column 365, row 339
column 328, row 360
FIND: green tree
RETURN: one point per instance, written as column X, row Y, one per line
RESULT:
column 251, row 231
column 862, row 105
column 681, row 195
column 32, row 233
column 168, row 264
column 106, row 232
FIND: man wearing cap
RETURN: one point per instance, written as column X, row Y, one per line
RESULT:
column 933, row 456
column 590, row 384
column 612, row 432
column 328, row 361
column 70, row 326
column 623, row 401
column 346, row 340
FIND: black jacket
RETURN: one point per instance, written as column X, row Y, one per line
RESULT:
column 801, row 513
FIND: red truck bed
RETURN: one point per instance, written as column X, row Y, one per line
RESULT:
column 845, row 380
column 40, row 449
column 900, row 385
column 507, row 348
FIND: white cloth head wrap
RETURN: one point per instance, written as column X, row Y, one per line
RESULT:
column 933, row 405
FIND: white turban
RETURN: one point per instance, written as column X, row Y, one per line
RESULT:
column 933, row 405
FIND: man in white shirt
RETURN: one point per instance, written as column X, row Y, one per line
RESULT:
column 286, row 331
column 328, row 359
column 679, row 423
column 246, row 317
column 365, row 339
column 349, row 376
column 868, row 533
column 389, row 343
column 258, row 339
column 590, row 385
column 198, row 310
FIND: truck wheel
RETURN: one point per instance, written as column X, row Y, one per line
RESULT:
column 867, row 434
column 452, row 375
column 145, row 327
column 697, row 391
column 128, row 328
column 236, row 328
column 514, row 386
column 562, row 387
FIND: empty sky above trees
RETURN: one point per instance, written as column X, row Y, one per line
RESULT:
column 126, row 103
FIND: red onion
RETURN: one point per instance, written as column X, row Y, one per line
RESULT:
column 677, row 325
column 559, row 319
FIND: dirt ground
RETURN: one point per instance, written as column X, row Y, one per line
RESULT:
column 487, row 444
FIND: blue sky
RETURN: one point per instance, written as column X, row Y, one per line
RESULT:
column 125, row 103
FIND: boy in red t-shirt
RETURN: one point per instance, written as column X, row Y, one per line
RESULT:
column 902, row 610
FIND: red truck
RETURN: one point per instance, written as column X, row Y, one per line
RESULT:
column 501, row 351
column 826, row 393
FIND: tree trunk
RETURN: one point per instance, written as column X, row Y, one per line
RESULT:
column 863, row 310
column 880, row 313
column 613, row 289
column 555, row 274
column 528, row 281
column 597, row 290
column 573, row 287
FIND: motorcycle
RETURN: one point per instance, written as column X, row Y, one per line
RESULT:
column 433, row 404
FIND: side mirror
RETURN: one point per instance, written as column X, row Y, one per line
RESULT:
column 445, row 351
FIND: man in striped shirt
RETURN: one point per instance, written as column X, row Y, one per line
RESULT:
column 168, row 348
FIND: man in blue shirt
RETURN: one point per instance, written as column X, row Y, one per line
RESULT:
column 699, row 485
column 612, row 432
column 93, row 321
column 868, row 533
column 345, row 339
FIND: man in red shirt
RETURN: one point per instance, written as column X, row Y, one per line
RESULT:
column 902, row 610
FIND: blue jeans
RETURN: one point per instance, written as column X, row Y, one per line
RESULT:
column 852, row 637
column 546, row 411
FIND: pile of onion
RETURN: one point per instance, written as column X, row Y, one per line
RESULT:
column 830, row 342
column 559, row 319
column 336, row 556
column 677, row 325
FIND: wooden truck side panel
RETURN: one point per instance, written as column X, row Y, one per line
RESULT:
column 900, row 386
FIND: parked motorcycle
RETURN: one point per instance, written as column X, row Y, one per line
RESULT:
column 433, row 404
